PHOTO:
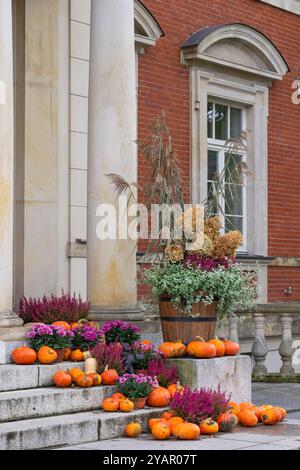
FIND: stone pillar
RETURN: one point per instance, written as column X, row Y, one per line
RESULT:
column 112, row 149
column 7, row 317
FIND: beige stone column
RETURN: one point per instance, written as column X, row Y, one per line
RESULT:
column 112, row 149
column 7, row 318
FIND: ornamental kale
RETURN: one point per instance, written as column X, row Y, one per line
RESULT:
column 233, row 288
column 49, row 335
column 136, row 386
column 86, row 337
column 194, row 406
column 120, row 331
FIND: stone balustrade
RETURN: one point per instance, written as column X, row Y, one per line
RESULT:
column 286, row 314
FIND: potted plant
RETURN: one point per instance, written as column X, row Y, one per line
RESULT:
column 137, row 388
column 142, row 355
column 164, row 373
column 52, row 336
column 109, row 355
column 86, row 337
column 120, row 331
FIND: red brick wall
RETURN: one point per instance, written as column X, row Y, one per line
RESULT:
column 164, row 84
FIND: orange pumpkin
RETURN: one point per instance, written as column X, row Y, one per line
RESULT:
column 231, row 348
column 247, row 418
column 154, row 421
column 75, row 373
column 259, row 410
column 160, row 431
column 187, row 431
column 77, row 355
column 62, row 324
column 118, row 396
column 246, row 406
column 75, row 324
column 209, row 426
column 201, row 349
column 46, row 355
column 109, row 376
column 133, row 429
column 271, row 416
column 283, row 412
column 227, row 421
column 24, row 355
column 96, row 378
column 67, row 354
column 168, row 415
column 84, row 381
column 126, row 405
column 173, row 423
column 159, row 396
column 62, row 379
column 174, row 388
column 109, row 404
column 146, row 341
column 220, row 347
column 234, row 407
column 172, row 349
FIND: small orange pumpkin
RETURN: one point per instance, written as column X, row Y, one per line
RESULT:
column 133, row 429
column 84, row 381
column 159, row 397
column 24, row 355
column 154, row 421
column 201, row 349
column 146, row 341
column 118, row 396
column 126, row 405
column 174, row 388
column 209, row 426
column 46, row 355
column 96, row 378
column 161, row 431
column 109, row 376
column 246, row 406
column 109, row 404
column 187, row 431
column 247, row 418
column 75, row 372
column 231, row 348
column 62, row 379
column 168, row 415
column 259, row 410
column 234, row 407
column 283, row 412
column 67, row 353
column 172, row 349
column 227, row 421
column 173, row 423
column 220, row 347
column 271, row 416
column 75, row 324
column 77, row 355
column 62, row 324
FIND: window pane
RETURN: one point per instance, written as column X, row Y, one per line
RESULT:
column 210, row 119
column 233, row 199
column 221, row 122
column 212, row 203
column 212, row 162
column 235, row 122
column 232, row 169
column 234, row 223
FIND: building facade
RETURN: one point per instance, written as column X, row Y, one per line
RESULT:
column 81, row 79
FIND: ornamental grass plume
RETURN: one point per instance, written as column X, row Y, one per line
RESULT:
column 195, row 405
column 54, row 308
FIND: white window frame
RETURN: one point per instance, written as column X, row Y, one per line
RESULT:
column 219, row 146
column 289, row 5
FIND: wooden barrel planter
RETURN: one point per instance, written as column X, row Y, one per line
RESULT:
column 176, row 324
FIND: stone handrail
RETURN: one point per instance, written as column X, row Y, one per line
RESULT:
column 286, row 312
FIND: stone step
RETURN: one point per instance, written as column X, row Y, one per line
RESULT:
column 69, row 429
column 41, row 402
column 16, row 377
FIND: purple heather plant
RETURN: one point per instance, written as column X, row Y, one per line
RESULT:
column 164, row 373
column 109, row 355
column 120, row 331
column 136, row 386
column 207, row 264
column 49, row 335
column 54, row 308
column 86, row 337
column 196, row 405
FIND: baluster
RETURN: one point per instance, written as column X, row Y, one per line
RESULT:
column 259, row 347
column 233, row 328
column 286, row 345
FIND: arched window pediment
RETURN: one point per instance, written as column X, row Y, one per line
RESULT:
column 237, row 46
column 146, row 28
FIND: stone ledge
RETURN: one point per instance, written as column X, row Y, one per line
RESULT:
column 233, row 374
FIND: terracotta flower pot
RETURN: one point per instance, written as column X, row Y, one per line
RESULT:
column 60, row 355
column 139, row 403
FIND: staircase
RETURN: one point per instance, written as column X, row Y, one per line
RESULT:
column 36, row 415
